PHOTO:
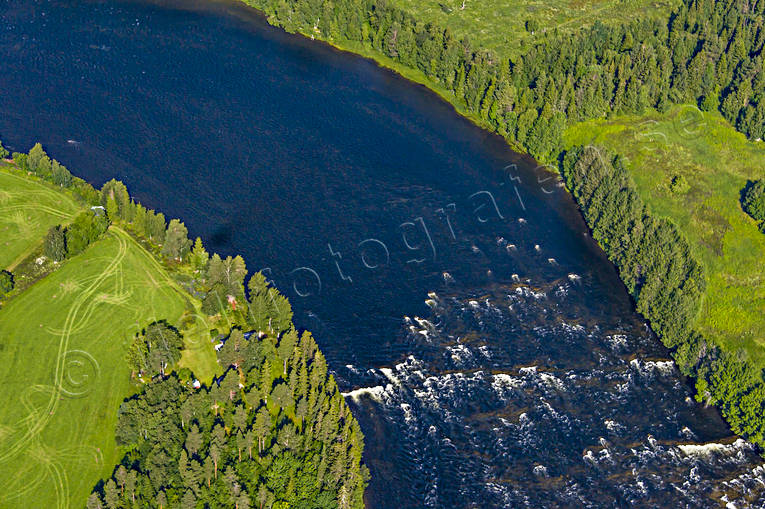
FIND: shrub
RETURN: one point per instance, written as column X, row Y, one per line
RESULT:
column 679, row 185
column 85, row 229
column 55, row 244
column 6, row 282
column 753, row 200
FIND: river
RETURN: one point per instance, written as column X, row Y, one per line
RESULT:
column 486, row 345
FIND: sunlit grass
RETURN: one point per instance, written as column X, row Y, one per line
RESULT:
column 62, row 348
column 28, row 208
column 500, row 25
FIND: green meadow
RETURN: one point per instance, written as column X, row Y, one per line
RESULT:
column 62, row 347
column 705, row 152
column 28, row 208
column 501, row 25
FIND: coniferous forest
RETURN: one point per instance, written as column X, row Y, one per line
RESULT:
column 272, row 431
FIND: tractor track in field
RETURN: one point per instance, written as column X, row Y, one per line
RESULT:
column 38, row 418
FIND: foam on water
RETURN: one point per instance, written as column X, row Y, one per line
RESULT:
column 511, row 388
column 373, row 392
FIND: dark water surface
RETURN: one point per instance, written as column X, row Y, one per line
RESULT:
column 485, row 344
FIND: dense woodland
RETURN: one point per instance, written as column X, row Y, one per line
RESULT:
column 272, row 431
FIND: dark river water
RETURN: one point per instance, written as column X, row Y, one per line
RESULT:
column 484, row 342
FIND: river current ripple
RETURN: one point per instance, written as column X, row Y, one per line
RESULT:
column 513, row 399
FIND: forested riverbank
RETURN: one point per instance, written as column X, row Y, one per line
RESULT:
column 667, row 283
column 258, row 423
column 705, row 53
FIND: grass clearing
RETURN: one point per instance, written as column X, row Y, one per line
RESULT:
column 716, row 162
column 62, row 345
column 28, row 208
column 500, row 25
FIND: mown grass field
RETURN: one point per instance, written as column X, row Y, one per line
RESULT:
column 28, row 208
column 62, row 346
column 500, row 25
column 717, row 162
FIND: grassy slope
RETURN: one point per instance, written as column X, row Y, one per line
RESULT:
column 500, row 25
column 28, row 208
column 62, row 345
column 716, row 161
